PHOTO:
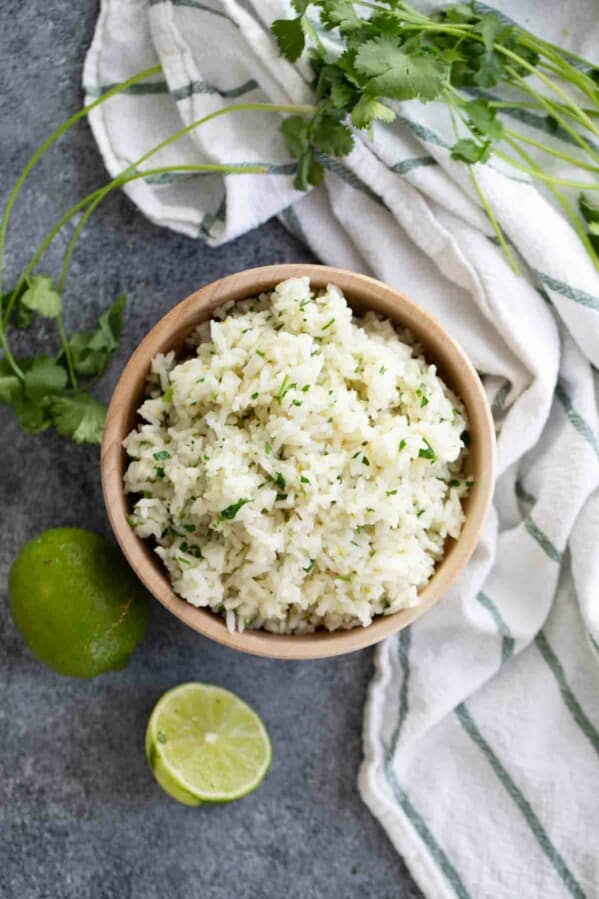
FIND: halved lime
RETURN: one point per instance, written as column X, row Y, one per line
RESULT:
column 204, row 744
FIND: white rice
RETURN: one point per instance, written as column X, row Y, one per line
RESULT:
column 302, row 469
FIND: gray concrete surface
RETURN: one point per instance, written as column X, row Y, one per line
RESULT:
column 80, row 815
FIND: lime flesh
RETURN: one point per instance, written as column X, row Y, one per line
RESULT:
column 204, row 744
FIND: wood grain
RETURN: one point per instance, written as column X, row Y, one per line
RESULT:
column 362, row 293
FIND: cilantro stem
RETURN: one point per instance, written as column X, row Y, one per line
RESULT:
column 81, row 113
column 513, row 104
column 376, row 6
column 519, row 60
column 550, row 108
column 439, row 28
column 546, row 47
column 566, row 206
column 551, row 150
column 400, row 8
column 578, row 79
column 103, row 191
column 9, row 356
column 295, row 109
column 66, row 262
column 121, row 179
column 562, row 68
column 511, row 259
column 406, row 7
column 496, row 226
column 539, row 173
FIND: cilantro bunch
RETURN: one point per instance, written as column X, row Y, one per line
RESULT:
column 391, row 51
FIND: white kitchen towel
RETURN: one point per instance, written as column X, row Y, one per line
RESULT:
column 481, row 737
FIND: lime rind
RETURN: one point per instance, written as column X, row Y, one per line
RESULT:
column 204, row 744
column 169, row 784
column 76, row 603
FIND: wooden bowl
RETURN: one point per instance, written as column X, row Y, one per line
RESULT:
column 363, row 293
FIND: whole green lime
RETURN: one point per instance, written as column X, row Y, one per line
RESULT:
column 78, row 605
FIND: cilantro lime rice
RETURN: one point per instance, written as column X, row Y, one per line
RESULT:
column 302, row 469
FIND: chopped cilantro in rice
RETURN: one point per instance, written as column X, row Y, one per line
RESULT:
column 294, row 525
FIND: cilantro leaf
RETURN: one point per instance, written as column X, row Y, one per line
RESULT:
column 346, row 64
column 32, row 415
column 290, row 37
column 42, row 297
column 490, row 27
column 427, row 452
column 395, row 74
column 110, row 326
column 87, row 362
column 484, row 119
column 10, row 386
column 332, row 137
column 340, row 14
column 461, row 12
column 469, row 151
column 590, row 214
column 79, row 416
column 368, row 109
column 295, row 131
column 315, row 174
column 490, row 70
column 44, row 378
column 342, row 94
column 91, row 349
column 20, row 315
column 230, row 512
column 588, row 210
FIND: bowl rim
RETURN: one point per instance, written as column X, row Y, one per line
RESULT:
column 179, row 320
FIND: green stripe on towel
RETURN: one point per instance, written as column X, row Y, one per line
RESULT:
column 166, row 178
column 211, row 218
column 523, row 494
column 408, row 165
column 543, row 540
column 575, row 418
column 522, row 803
column 403, row 651
column 153, row 88
column 202, row 87
column 422, row 132
column 401, row 797
column 144, row 89
column 342, row 171
column 571, row 293
column 507, row 647
column 438, row 854
column 574, row 707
